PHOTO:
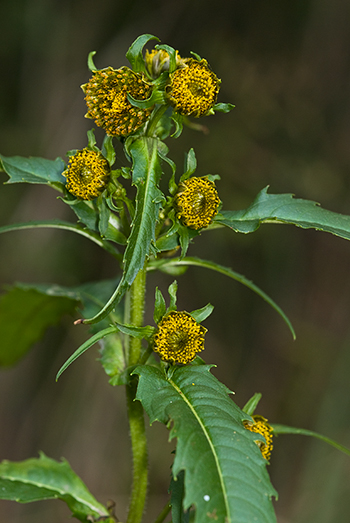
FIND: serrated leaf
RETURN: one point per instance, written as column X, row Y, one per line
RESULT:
column 284, row 208
column 42, row 478
column 225, row 473
column 146, row 175
column 34, row 170
column 284, row 429
column 162, row 264
column 25, row 314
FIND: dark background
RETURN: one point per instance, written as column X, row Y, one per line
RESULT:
column 286, row 67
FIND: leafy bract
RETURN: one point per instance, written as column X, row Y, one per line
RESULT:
column 34, row 170
column 37, row 479
column 25, row 314
column 146, row 176
column 63, row 225
column 225, row 474
column 166, row 264
column 284, row 208
column 284, row 429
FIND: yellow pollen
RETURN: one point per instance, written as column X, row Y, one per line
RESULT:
column 179, row 338
column 197, row 202
column 260, row 426
column 87, row 174
column 193, row 88
column 107, row 102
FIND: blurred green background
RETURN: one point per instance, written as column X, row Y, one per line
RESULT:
column 286, row 67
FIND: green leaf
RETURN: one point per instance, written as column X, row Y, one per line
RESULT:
column 34, row 170
column 284, row 208
column 250, row 406
column 146, row 176
column 178, row 121
column 136, row 332
column 190, row 165
column 157, row 97
column 108, row 150
column 201, row 314
column 85, row 346
column 91, row 64
column 58, row 224
column 42, row 478
column 223, row 108
column 159, row 307
column 225, row 473
column 25, row 314
column 197, row 262
column 284, row 429
column 112, row 358
column 134, row 54
column 177, row 489
column 172, row 290
column 172, row 55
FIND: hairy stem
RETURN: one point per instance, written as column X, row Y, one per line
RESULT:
column 135, row 409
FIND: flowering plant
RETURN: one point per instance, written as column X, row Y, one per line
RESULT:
column 219, row 471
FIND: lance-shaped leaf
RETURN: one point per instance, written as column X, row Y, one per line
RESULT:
column 66, row 226
column 284, row 429
column 42, row 478
column 164, row 264
column 225, row 474
column 146, row 174
column 284, row 208
column 34, row 170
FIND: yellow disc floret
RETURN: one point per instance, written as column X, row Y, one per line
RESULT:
column 193, row 88
column 87, row 174
column 260, row 426
column 197, row 202
column 179, row 337
column 108, row 104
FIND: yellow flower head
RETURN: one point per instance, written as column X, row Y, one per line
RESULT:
column 157, row 61
column 87, row 174
column 108, row 105
column 260, row 426
column 193, row 88
column 179, row 337
column 197, row 202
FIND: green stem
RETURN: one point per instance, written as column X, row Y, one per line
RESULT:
column 155, row 119
column 135, row 409
column 163, row 514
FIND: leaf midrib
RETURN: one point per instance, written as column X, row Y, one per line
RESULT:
column 205, row 432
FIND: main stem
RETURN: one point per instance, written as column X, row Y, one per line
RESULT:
column 135, row 409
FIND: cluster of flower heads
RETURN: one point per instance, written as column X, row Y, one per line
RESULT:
column 260, row 426
column 179, row 337
column 191, row 89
